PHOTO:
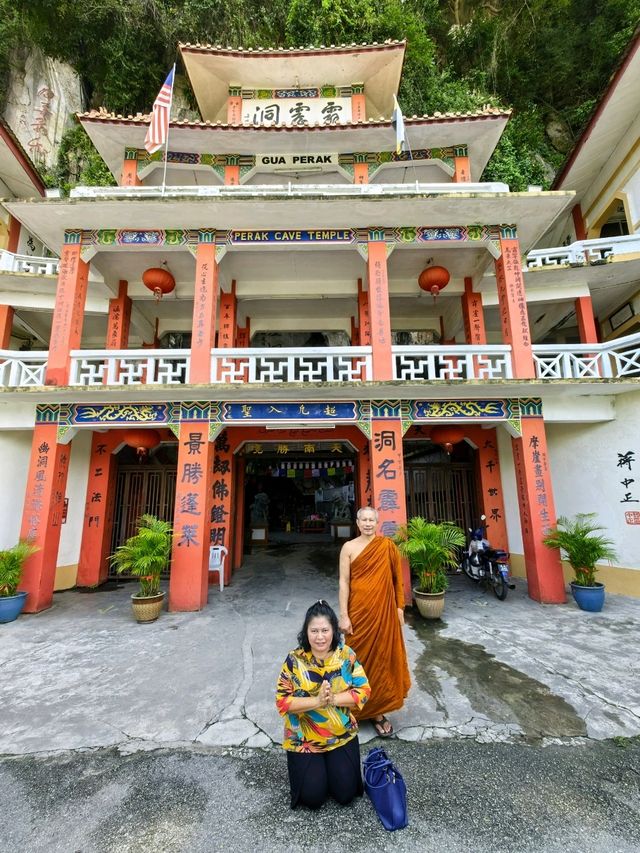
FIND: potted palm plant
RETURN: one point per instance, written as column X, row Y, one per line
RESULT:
column 12, row 562
column 431, row 549
column 145, row 555
column 583, row 544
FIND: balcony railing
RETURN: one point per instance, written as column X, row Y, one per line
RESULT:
column 22, row 369
column 10, row 262
column 448, row 363
column 619, row 359
column 584, row 252
column 616, row 359
column 290, row 189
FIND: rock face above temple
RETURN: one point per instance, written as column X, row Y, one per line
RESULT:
column 42, row 96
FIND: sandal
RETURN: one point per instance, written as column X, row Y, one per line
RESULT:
column 379, row 726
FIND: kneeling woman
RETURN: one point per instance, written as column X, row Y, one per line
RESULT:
column 319, row 683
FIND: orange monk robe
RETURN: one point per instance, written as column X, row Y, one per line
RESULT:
column 375, row 594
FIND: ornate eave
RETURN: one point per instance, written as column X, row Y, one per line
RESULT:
column 212, row 70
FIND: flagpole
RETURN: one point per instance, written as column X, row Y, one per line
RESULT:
column 166, row 144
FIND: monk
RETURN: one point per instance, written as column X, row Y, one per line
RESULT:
column 372, row 615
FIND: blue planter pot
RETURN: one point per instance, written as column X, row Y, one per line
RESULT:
column 589, row 598
column 11, row 606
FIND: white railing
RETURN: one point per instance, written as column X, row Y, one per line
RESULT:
column 129, row 367
column 584, row 252
column 447, row 363
column 616, row 359
column 289, row 189
column 303, row 364
column 22, row 369
column 10, row 262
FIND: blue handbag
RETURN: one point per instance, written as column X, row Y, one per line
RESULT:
column 387, row 791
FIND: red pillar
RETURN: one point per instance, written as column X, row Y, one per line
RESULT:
column 68, row 313
column 93, row 566
column 205, row 305
column 361, row 173
column 189, row 581
column 234, row 109
column 379, row 313
column 586, row 320
column 119, row 320
column 227, row 322
column 358, row 105
column 473, row 315
column 42, row 514
column 13, row 239
column 462, row 170
column 512, row 300
column 6, row 325
column 537, row 512
column 222, row 507
column 387, row 481
column 491, row 486
column 129, row 176
column 365, row 489
column 231, row 176
column 578, row 222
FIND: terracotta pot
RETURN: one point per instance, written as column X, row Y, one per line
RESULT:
column 147, row 608
column 430, row 604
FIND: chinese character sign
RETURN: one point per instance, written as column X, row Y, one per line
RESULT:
column 627, row 470
column 387, row 475
column 296, row 112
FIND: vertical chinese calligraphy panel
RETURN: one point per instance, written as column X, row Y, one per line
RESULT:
column 537, row 512
column 42, row 514
column 188, row 585
column 491, row 485
column 220, row 516
column 68, row 313
column 379, row 312
column 387, row 481
column 205, row 304
column 98, row 516
column 513, row 308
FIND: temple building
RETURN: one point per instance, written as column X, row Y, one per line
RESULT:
column 292, row 314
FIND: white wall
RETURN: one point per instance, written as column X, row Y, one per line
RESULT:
column 71, row 533
column 632, row 188
column 15, row 450
column 586, row 477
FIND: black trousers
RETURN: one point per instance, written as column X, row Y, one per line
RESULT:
column 314, row 776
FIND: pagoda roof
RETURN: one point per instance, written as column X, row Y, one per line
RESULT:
column 212, row 69
column 596, row 153
column 17, row 171
column 480, row 131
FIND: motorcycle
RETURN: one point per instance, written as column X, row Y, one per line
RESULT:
column 484, row 564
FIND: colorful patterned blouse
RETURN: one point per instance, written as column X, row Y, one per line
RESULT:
column 323, row 728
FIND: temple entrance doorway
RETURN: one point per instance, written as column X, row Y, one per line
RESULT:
column 440, row 486
column 299, row 492
column 146, row 485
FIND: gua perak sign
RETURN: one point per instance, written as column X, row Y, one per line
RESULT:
column 296, row 161
column 296, row 112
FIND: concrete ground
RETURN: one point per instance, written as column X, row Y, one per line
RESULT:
column 124, row 737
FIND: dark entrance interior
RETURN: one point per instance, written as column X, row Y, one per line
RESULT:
column 301, row 487
column 147, row 486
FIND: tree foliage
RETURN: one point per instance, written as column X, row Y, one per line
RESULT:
column 548, row 59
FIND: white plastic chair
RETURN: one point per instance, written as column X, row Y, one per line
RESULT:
column 217, row 556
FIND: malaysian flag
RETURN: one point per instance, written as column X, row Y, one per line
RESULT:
column 158, row 130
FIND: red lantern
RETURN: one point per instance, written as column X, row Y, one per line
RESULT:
column 433, row 280
column 447, row 436
column 143, row 440
column 159, row 280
